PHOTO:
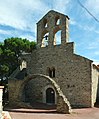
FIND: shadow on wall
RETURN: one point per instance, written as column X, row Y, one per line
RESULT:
column 63, row 106
column 97, row 98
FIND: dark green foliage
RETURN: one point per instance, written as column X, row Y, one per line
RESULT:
column 10, row 52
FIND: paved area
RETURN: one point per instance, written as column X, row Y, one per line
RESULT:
column 5, row 115
column 42, row 111
column 85, row 113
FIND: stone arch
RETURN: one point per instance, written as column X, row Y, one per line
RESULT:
column 44, row 93
column 57, row 36
column 45, row 38
column 63, row 105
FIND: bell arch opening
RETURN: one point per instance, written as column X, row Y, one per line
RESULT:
column 57, row 37
column 45, row 40
column 57, row 20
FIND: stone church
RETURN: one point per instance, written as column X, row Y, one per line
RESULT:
column 53, row 73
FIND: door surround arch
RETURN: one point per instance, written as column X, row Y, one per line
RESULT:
column 44, row 93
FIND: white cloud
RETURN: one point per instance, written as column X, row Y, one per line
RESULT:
column 73, row 22
column 94, row 45
column 5, row 32
column 85, row 27
column 23, row 14
column 88, row 28
column 20, row 13
column 96, row 62
column 96, row 53
column 93, row 8
column 29, row 37
column 61, row 5
column 9, row 15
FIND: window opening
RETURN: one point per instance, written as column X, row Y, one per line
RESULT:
column 53, row 72
column 45, row 40
column 45, row 23
column 50, row 73
column 57, row 38
column 57, row 21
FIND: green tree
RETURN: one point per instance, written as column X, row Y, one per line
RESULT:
column 10, row 52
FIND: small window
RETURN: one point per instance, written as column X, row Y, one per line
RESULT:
column 51, row 72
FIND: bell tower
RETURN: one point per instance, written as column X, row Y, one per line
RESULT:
column 49, row 26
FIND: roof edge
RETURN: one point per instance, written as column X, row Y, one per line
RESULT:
column 54, row 12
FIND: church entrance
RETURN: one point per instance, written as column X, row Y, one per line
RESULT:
column 50, row 96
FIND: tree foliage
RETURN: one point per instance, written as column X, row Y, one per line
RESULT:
column 10, row 52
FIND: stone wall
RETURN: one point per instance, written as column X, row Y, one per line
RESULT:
column 34, row 93
column 72, row 72
column 14, row 89
column 95, row 84
column 1, row 100
column 34, row 89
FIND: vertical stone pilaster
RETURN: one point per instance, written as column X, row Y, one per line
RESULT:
column 51, row 37
column 65, row 31
column 1, row 94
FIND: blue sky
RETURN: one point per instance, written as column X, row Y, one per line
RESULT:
column 18, row 18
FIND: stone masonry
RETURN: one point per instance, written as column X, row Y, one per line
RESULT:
column 1, row 100
column 76, row 76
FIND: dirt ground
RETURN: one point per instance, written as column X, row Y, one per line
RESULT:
column 84, row 113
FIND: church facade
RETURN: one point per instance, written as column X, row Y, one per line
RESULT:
column 72, row 75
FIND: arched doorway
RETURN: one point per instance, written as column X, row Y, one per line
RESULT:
column 63, row 105
column 50, row 96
